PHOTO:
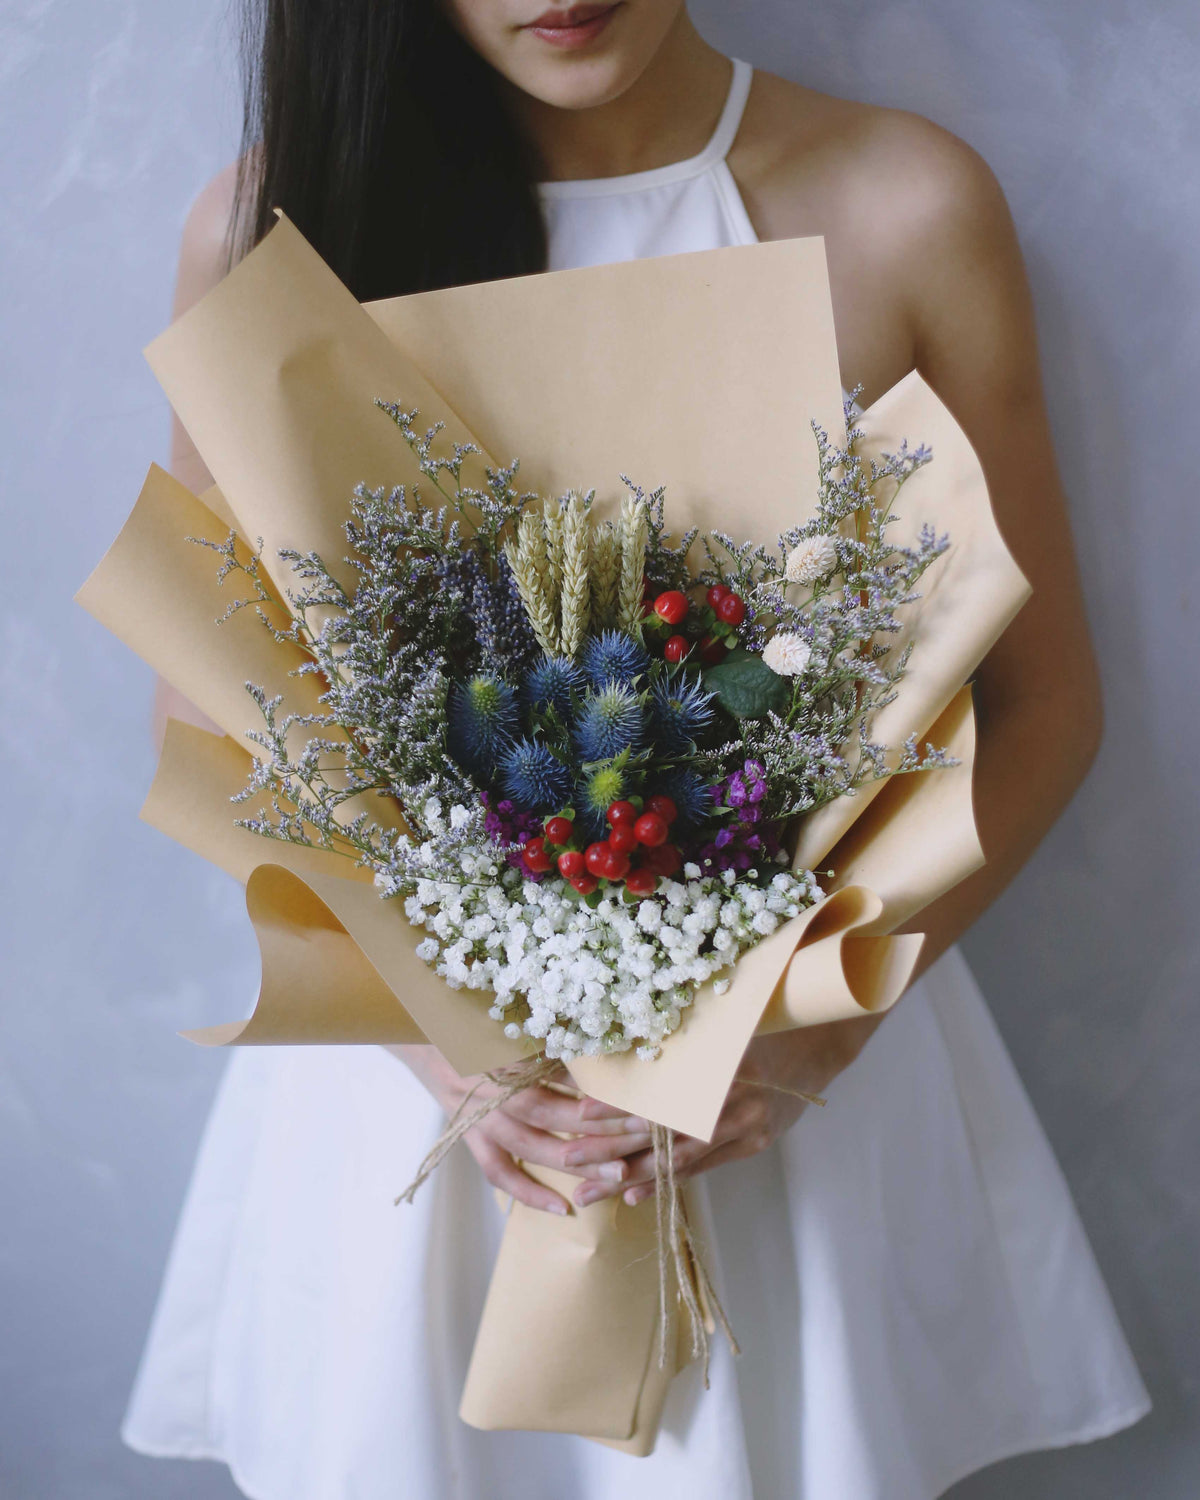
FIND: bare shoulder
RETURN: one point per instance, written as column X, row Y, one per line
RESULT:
column 921, row 247
column 204, row 248
column 809, row 156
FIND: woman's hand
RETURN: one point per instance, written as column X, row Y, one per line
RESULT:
column 760, row 1106
column 530, row 1127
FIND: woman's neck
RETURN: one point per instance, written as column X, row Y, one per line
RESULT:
column 666, row 115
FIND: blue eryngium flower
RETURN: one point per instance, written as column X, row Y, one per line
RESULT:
column 550, row 682
column 609, row 721
column 679, row 711
column 693, row 797
column 614, row 657
column 481, row 722
column 534, row 779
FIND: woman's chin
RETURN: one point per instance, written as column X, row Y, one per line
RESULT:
column 575, row 82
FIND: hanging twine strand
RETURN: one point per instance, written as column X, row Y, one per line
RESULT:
column 514, row 1079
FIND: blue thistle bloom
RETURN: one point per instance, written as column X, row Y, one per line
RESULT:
column 693, row 797
column 534, row 779
column 481, row 722
column 679, row 711
column 610, row 721
column 614, row 657
column 550, row 682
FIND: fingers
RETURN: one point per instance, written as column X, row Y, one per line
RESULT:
column 638, row 1169
column 598, row 1156
column 594, row 1110
column 735, row 1150
column 548, row 1110
column 503, row 1173
column 743, row 1130
column 586, row 1150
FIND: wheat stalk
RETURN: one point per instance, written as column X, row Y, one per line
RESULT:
column 635, row 533
column 575, row 598
column 530, row 564
column 606, row 575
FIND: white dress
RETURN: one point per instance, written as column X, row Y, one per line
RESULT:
column 905, row 1269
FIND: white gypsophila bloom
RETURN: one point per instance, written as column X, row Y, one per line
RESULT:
column 585, row 981
column 786, row 654
column 815, row 558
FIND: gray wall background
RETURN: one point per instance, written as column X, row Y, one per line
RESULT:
column 112, row 114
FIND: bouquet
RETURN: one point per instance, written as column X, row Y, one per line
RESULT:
column 547, row 783
column 596, row 768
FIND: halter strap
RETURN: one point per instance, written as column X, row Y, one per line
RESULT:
column 715, row 151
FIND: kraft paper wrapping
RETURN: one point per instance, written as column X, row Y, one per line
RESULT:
column 589, row 1316
column 670, row 370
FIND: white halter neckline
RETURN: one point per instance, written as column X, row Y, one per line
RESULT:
column 715, row 151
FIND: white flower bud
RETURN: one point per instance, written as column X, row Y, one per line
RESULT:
column 787, row 654
column 815, row 558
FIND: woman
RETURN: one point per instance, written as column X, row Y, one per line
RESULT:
column 916, row 1295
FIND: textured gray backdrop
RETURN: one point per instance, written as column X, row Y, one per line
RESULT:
column 112, row 114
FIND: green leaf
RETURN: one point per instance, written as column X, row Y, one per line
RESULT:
column 745, row 686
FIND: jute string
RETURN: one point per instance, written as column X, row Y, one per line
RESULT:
column 678, row 1248
column 514, row 1079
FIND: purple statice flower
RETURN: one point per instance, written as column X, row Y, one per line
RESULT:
column 744, row 840
column 503, row 633
column 509, row 827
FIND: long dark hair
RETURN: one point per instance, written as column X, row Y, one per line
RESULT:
column 384, row 137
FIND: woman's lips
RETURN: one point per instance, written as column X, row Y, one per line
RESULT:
column 573, row 27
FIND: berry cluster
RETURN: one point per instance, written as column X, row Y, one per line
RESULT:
column 710, row 628
column 636, row 853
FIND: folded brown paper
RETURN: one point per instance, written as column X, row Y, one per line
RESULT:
column 673, row 371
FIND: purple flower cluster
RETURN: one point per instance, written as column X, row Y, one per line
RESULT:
column 507, row 826
column 500, row 623
column 745, row 839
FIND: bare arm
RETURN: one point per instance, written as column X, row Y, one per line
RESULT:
column 1038, row 691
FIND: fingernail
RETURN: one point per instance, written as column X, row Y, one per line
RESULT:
column 635, row 1125
column 558, row 1207
column 611, row 1171
column 631, row 1197
column 585, row 1196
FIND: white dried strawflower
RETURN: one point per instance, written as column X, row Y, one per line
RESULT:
column 787, row 654
column 815, row 558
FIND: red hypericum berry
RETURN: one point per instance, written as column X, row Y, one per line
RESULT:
column 731, row 609
column 666, row 860
column 651, row 829
column 712, row 651
column 615, row 864
column 623, row 838
column 663, row 806
column 584, row 884
column 641, row 881
column 672, row 607
column 570, row 864
column 716, row 594
column 559, row 831
column 676, row 648
column 621, row 812
column 533, row 851
column 594, row 856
